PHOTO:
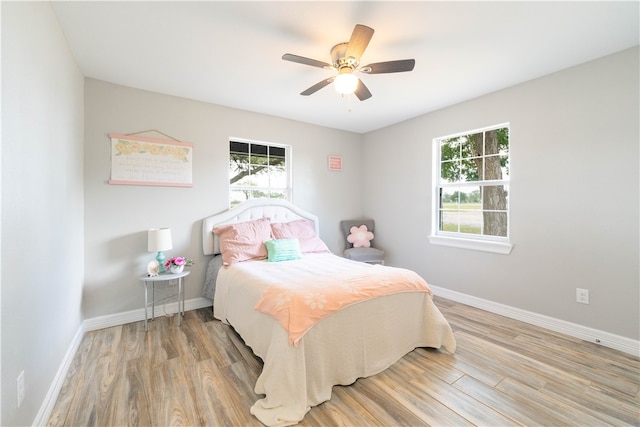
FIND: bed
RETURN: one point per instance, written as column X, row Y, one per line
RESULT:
column 358, row 339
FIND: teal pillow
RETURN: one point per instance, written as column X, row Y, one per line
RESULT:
column 283, row 250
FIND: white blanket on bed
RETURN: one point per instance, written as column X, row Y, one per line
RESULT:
column 358, row 341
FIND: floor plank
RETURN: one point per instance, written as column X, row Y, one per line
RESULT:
column 504, row 373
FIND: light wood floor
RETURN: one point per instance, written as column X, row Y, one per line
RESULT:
column 504, row 373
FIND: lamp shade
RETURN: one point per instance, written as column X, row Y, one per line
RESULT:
column 159, row 239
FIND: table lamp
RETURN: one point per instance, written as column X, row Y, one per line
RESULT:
column 159, row 239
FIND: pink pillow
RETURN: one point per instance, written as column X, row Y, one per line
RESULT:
column 304, row 231
column 243, row 241
column 360, row 236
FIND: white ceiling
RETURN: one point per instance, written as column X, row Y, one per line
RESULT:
column 229, row 53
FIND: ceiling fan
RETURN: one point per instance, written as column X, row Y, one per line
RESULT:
column 345, row 59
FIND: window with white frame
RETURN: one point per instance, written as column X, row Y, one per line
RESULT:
column 471, row 197
column 258, row 170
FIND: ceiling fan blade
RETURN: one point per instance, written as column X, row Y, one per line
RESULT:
column 359, row 41
column 362, row 92
column 316, row 87
column 389, row 67
column 305, row 61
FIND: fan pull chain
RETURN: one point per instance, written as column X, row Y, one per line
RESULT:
column 348, row 99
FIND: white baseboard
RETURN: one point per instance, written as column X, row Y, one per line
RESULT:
column 585, row 333
column 43, row 415
column 101, row 322
column 123, row 318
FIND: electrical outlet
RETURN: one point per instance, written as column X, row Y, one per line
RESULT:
column 582, row 296
column 21, row 388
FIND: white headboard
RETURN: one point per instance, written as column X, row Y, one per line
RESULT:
column 274, row 209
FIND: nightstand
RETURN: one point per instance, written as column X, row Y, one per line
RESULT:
column 165, row 291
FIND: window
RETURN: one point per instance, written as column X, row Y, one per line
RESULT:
column 258, row 170
column 471, row 198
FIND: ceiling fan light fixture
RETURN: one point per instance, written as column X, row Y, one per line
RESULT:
column 345, row 59
column 345, row 84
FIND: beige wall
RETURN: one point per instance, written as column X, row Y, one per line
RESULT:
column 574, row 196
column 117, row 216
column 42, row 204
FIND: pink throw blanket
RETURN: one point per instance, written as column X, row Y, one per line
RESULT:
column 298, row 306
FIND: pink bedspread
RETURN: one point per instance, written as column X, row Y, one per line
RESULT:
column 297, row 306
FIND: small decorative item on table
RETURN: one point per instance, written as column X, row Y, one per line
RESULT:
column 153, row 268
column 177, row 264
